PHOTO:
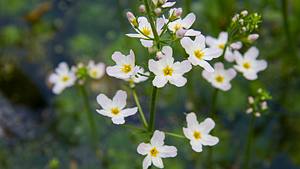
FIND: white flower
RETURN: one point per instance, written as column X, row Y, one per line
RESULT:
column 220, row 78
column 62, row 78
column 124, row 67
column 163, row 3
column 220, row 43
column 139, row 75
column 184, row 25
column 166, row 70
column 198, row 53
column 96, row 71
column 144, row 31
column 248, row 65
column 115, row 108
column 198, row 134
column 156, row 150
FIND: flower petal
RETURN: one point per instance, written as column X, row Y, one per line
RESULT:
column 104, row 101
column 182, row 67
column 196, row 145
column 192, row 32
column 252, row 53
column 167, row 151
column 104, row 113
column 119, row 99
column 159, row 81
column 206, row 66
column 158, row 138
column 143, row 148
column 147, row 162
column 118, row 120
column 208, row 140
column 178, row 80
column 146, row 43
column 191, row 120
column 157, row 162
column 188, row 21
column 207, row 125
column 187, row 44
column 129, row 111
column 167, row 51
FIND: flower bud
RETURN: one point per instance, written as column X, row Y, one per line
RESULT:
column 161, row 2
column 235, row 17
column 244, row 29
column 250, row 100
column 264, row 105
column 236, row 45
column 257, row 114
column 244, row 13
column 159, row 55
column 157, row 11
column 180, row 33
column 132, row 19
column 142, row 8
column 249, row 110
column 253, row 37
column 241, row 21
column 175, row 13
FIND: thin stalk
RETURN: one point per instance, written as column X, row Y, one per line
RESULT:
column 152, row 23
column 213, row 116
column 142, row 115
column 175, row 135
column 89, row 113
column 247, row 156
column 152, row 109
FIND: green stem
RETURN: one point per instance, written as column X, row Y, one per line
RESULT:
column 174, row 135
column 249, row 144
column 89, row 113
column 213, row 116
column 152, row 109
column 152, row 23
column 142, row 115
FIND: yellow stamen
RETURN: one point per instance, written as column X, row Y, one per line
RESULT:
column 126, row 68
column 222, row 46
column 168, row 71
column 65, row 78
column 177, row 26
column 197, row 135
column 94, row 73
column 219, row 79
column 154, row 152
column 199, row 54
column 247, row 65
column 146, row 31
column 115, row 111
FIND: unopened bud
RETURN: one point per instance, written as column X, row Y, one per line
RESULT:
column 176, row 13
column 132, row 19
column 236, row 45
column 253, row 37
column 180, row 33
column 159, row 55
column 235, row 17
column 161, row 2
column 142, row 8
column 264, row 105
column 257, row 114
column 241, row 21
column 249, row 110
column 250, row 100
column 244, row 13
column 244, row 28
column 157, row 11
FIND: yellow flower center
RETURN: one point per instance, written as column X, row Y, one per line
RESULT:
column 168, row 71
column 146, row 31
column 154, row 152
column 199, row 54
column 220, row 79
column 247, row 65
column 126, row 68
column 197, row 135
column 115, row 111
column 94, row 73
column 65, row 78
column 222, row 46
column 177, row 26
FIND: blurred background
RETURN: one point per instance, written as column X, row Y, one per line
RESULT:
column 40, row 130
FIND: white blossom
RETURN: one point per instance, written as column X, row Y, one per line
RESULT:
column 139, row 75
column 144, row 31
column 248, row 64
column 221, row 77
column 156, row 150
column 166, row 70
column 198, row 133
column 96, row 71
column 62, row 78
column 184, row 25
column 115, row 108
column 163, row 3
column 198, row 53
column 124, row 67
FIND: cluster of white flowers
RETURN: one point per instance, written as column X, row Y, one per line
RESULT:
column 203, row 51
column 64, row 77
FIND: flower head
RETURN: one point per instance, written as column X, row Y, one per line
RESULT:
column 166, row 70
column 248, row 65
column 156, row 150
column 220, row 78
column 144, row 31
column 220, row 43
column 184, row 25
column 198, row 53
column 96, row 71
column 198, row 134
column 139, row 75
column 62, row 78
column 115, row 108
column 124, row 67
